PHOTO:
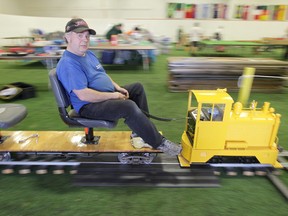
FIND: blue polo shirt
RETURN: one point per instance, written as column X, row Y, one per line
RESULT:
column 79, row 72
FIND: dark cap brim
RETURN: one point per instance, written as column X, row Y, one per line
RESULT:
column 82, row 29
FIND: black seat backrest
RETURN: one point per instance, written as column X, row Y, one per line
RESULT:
column 60, row 93
column 62, row 99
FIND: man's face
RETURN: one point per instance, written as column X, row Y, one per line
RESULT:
column 78, row 43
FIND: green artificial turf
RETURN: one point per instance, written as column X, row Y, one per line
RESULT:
column 55, row 195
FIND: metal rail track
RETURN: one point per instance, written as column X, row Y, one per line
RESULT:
column 161, row 172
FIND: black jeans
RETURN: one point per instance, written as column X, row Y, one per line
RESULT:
column 130, row 110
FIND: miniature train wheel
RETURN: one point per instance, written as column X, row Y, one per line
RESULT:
column 5, row 156
column 136, row 158
column 123, row 158
column 216, row 159
column 149, row 157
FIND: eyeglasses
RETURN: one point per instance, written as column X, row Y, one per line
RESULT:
column 83, row 35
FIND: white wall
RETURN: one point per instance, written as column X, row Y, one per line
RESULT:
column 17, row 17
column 123, row 9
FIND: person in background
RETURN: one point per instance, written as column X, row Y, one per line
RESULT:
column 115, row 30
column 135, row 33
column 196, row 35
column 180, row 37
column 95, row 95
column 218, row 36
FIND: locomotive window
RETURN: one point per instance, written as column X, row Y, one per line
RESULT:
column 218, row 112
column 193, row 114
column 213, row 112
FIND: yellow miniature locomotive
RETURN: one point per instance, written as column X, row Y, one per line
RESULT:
column 219, row 130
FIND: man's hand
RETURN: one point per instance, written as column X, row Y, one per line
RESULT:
column 119, row 95
column 123, row 92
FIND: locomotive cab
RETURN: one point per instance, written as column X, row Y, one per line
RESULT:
column 215, row 131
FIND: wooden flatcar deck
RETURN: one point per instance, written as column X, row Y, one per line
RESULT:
column 68, row 141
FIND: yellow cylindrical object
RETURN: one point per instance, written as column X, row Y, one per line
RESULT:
column 237, row 108
column 266, row 107
column 246, row 85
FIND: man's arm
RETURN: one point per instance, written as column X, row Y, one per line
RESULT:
column 92, row 95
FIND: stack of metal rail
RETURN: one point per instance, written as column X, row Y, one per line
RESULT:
column 224, row 72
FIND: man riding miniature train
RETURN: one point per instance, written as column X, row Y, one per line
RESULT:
column 95, row 95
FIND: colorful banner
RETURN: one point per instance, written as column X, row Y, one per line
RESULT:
column 261, row 12
column 196, row 11
column 219, row 11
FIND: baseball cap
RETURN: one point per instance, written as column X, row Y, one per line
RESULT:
column 78, row 25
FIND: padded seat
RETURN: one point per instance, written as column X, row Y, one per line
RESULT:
column 70, row 117
column 11, row 114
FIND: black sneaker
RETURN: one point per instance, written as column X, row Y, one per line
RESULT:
column 170, row 148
